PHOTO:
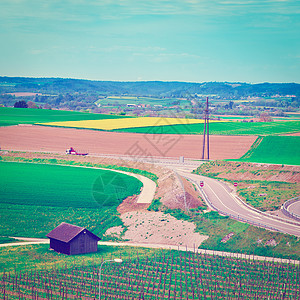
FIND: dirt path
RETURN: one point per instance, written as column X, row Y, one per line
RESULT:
column 149, row 186
column 168, row 247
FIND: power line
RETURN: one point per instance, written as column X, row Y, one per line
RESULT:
column 206, row 129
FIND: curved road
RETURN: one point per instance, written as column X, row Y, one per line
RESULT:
column 221, row 199
column 294, row 208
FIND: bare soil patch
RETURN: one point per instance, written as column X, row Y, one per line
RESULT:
column 293, row 134
column 129, row 204
column 40, row 138
column 114, row 231
column 158, row 228
column 23, row 94
column 192, row 195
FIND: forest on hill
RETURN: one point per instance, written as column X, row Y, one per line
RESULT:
column 146, row 88
column 152, row 98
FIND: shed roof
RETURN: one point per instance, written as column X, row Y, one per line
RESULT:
column 66, row 232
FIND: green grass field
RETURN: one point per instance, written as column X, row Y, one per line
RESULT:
column 35, row 198
column 62, row 186
column 13, row 116
column 275, row 150
column 31, row 257
column 223, row 128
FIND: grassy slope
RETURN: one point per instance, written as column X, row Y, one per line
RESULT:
column 36, row 198
column 223, row 128
column 275, row 150
column 263, row 187
column 246, row 239
column 39, row 256
column 13, row 116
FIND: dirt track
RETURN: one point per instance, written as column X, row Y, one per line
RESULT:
column 39, row 138
column 169, row 247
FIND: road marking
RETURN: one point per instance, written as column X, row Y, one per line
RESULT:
column 265, row 220
column 220, row 199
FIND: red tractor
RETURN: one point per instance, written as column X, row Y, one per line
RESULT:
column 74, row 152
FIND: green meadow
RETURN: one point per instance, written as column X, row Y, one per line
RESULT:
column 223, row 128
column 14, row 116
column 35, row 197
column 275, row 150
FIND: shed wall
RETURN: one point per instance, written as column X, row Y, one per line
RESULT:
column 83, row 243
column 59, row 246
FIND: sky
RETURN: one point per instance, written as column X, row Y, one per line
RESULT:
column 141, row 40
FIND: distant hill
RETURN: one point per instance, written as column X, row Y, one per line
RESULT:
column 224, row 90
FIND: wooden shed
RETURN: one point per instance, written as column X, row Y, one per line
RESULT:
column 71, row 239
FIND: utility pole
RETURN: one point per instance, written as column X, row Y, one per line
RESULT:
column 206, row 128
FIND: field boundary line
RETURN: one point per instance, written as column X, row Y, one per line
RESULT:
column 252, row 148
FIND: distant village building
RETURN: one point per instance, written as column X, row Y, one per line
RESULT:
column 71, row 239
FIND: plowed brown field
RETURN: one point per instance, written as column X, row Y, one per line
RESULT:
column 39, row 138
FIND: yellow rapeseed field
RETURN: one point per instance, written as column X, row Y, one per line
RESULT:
column 110, row 124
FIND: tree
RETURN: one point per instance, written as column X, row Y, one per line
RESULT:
column 265, row 117
column 20, row 104
column 31, row 104
column 47, row 106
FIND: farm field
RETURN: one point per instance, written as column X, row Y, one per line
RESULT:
column 141, row 100
column 35, row 197
column 223, row 128
column 275, row 150
column 159, row 125
column 32, row 184
column 44, row 138
column 288, row 117
column 152, row 274
column 14, row 116
column 124, row 123
column 158, row 275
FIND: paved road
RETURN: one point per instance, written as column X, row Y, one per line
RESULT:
column 295, row 208
column 221, row 199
